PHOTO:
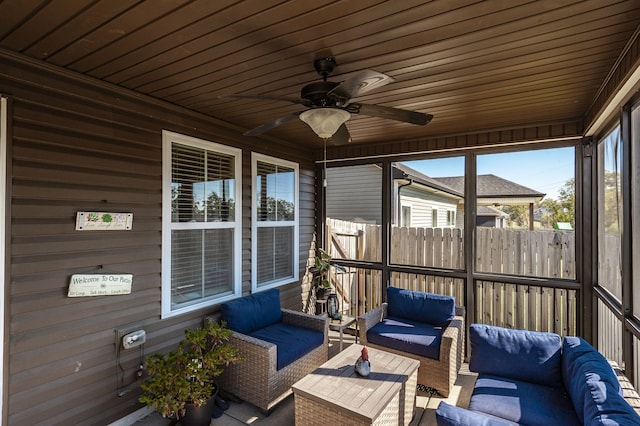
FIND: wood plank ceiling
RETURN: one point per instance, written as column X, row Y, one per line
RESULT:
column 474, row 65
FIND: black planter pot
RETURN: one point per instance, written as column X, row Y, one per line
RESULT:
column 322, row 293
column 199, row 416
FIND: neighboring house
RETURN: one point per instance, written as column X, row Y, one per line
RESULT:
column 420, row 200
column 491, row 217
column 495, row 191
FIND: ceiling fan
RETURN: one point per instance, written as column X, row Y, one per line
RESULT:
column 329, row 104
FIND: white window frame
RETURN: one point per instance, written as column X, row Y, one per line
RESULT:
column 255, row 223
column 168, row 138
column 408, row 207
column 451, row 214
column 434, row 217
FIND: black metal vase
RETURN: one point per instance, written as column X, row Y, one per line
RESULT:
column 199, row 416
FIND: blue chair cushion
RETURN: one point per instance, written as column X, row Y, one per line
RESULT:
column 408, row 336
column 419, row 306
column 522, row 402
column 252, row 313
column 528, row 356
column 292, row 342
column 450, row 415
column 592, row 384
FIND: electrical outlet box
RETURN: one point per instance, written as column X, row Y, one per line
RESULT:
column 134, row 339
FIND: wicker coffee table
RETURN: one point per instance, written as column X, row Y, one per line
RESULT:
column 335, row 394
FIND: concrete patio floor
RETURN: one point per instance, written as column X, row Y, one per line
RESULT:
column 242, row 413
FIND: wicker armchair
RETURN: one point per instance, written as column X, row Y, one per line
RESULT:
column 257, row 379
column 438, row 373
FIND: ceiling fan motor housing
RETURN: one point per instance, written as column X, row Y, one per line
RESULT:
column 324, row 66
column 316, row 93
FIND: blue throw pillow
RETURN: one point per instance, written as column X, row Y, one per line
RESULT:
column 251, row 313
column 529, row 356
column 428, row 308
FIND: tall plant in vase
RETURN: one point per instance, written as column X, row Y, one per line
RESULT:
column 320, row 271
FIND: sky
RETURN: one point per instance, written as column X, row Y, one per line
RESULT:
column 545, row 170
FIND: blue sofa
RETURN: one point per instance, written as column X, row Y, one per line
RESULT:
column 424, row 326
column 536, row 378
column 280, row 346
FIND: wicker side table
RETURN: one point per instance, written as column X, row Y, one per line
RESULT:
column 335, row 394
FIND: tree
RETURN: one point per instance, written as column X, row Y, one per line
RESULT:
column 518, row 216
column 561, row 210
column 552, row 211
column 612, row 204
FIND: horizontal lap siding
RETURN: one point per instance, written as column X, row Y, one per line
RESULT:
column 347, row 184
column 62, row 350
column 77, row 146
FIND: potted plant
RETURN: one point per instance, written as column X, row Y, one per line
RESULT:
column 320, row 271
column 180, row 384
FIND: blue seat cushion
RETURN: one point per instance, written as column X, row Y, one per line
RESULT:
column 292, row 342
column 253, row 312
column 419, row 306
column 592, row 385
column 528, row 356
column 408, row 336
column 450, row 415
column 522, row 402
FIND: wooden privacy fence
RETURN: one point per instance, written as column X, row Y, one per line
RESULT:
column 540, row 253
column 543, row 253
column 437, row 247
column 527, row 307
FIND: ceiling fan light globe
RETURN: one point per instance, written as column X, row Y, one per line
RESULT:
column 325, row 121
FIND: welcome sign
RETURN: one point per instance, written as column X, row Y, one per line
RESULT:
column 82, row 285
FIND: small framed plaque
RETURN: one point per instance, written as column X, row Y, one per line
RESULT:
column 103, row 221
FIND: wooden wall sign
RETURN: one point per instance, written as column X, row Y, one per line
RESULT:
column 103, row 221
column 82, row 285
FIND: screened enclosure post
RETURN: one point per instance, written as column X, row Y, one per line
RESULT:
column 470, row 202
column 587, row 321
column 387, row 184
column 627, row 285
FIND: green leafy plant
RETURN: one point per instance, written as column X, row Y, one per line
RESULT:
column 187, row 374
column 320, row 271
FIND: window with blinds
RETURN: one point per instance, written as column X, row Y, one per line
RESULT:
column 275, row 222
column 201, row 223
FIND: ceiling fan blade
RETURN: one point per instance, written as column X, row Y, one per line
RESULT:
column 359, row 84
column 268, row 126
column 341, row 136
column 270, row 98
column 397, row 114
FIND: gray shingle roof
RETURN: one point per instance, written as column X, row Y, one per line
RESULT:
column 489, row 186
column 492, row 186
column 406, row 172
